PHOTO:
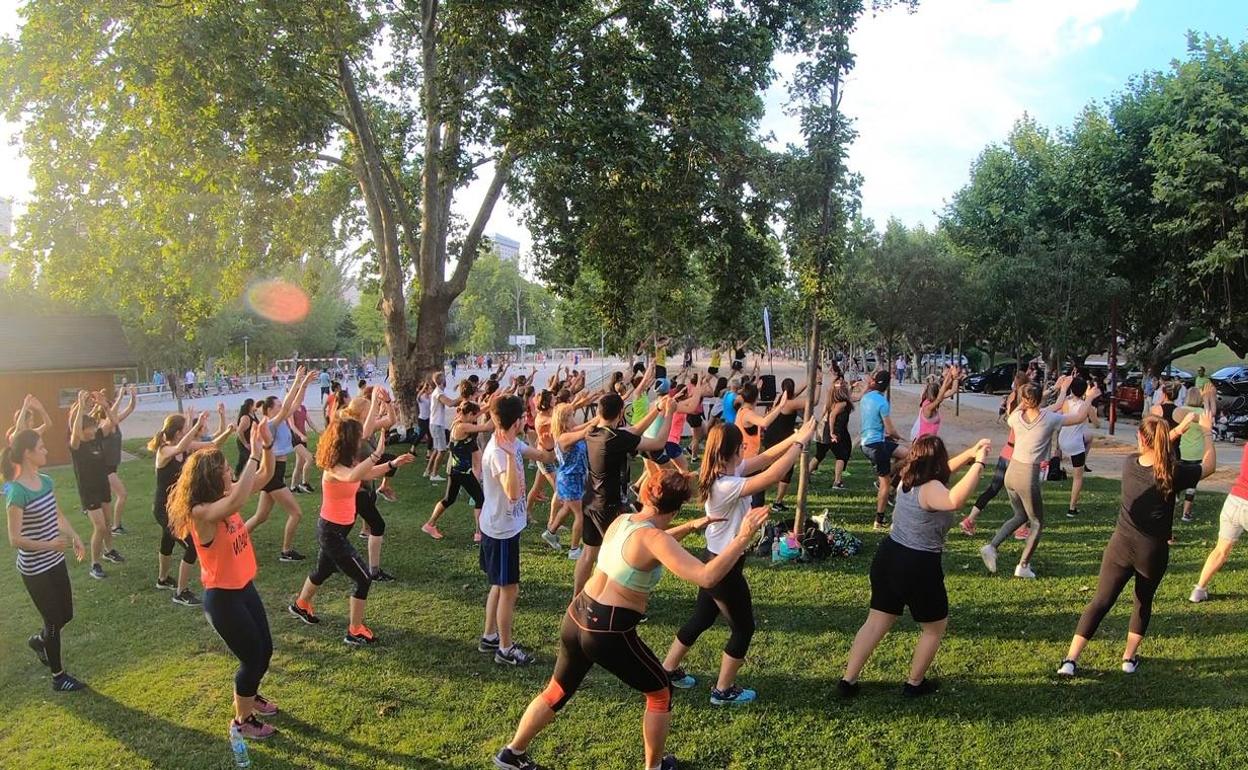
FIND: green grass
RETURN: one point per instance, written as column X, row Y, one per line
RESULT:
column 1212, row 359
column 424, row 698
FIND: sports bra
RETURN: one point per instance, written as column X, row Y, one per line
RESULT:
column 338, row 500
column 612, row 563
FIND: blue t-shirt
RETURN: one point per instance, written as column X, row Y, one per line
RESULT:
column 875, row 408
column 282, row 440
column 730, row 407
column 323, row 379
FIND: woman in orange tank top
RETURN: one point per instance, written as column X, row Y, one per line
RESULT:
column 335, row 455
column 204, row 505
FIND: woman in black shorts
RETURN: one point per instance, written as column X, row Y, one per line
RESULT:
column 112, row 459
column 462, row 447
column 781, row 429
column 906, row 570
column 832, row 434
column 242, row 434
column 1139, row 547
column 600, row 626
column 90, row 420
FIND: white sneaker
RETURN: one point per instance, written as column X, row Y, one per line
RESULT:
column 574, row 553
column 1067, row 668
column 1198, row 595
column 989, row 555
column 1130, row 665
column 1024, row 571
column 552, row 540
column 435, row 478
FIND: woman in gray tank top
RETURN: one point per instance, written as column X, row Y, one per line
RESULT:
column 906, row 570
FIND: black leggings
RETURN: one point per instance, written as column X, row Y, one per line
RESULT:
column 995, row 486
column 730, row 598
column 366, row 509
column 167, row 540
column 1127, row 555
column 52, row 597
column 338, row 555
column 244, row 454
column 466, row 482
column 598, row 633
column 237, row 615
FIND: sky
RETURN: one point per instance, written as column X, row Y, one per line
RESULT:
column 931, row 88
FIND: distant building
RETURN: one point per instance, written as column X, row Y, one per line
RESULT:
column 506, row 248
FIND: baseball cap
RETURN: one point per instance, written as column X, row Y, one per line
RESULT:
column 662, row 386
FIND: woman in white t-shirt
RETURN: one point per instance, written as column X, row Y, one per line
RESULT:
column 725, row 485
column 1033, row 431
column 1073, row 439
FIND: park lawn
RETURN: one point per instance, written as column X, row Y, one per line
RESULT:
column 425, row 698
column 1212, row 359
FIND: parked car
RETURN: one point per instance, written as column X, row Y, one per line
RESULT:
column 996, row 379
column 1231, row 382
column 1129, row 396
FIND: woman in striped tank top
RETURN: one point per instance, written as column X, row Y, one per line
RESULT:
column 203, row 505
column 41, row 534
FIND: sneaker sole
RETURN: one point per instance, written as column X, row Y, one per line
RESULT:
column 358, row 642
column 187, row 604
column 716, row 702
column 304, row 618
column 97, row 577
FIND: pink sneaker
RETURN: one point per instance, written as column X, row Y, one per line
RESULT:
column 476, row 536
column 265, row 707
column 431, row 531
column 253, row 729
column 1022, row 533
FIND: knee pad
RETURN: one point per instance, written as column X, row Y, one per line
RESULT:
column 554, row 696
column 659, row 701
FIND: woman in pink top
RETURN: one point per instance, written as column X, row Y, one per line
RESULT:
column 928, row 421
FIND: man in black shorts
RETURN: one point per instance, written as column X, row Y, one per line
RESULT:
column 611, row 445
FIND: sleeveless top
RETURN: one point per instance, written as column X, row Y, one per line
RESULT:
column 926, row 427
column 461, row 454
column 750, row 436
column 228, row 560
column 780, row 429
column 916, row 528
column 612, row 563
column 574, row 461
column 243, row 437
column 1167, row 414
column 1192, row 442
column 166, row 476
column 338, row 500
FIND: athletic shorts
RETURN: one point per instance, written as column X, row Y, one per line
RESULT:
column 279, row 477
column 597, row 522
column 1234, row 519
column 881, row 456
column 93, row 491
column 670, row 451
column 695, row 420
column 903, row 577
column 441, row 438
column 324, row 391
column 660, row 372
column 500, row 560
column 296, row 441
column 1077, row 461
column 713, row 369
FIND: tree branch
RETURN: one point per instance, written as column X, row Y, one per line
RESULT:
column 472, row 241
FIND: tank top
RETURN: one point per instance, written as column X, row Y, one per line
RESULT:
column 750, row 437
column 166, row 476
column 243, row 437
column 678, row 428
column 1192, row 442
column 927, row 427
column 338, row 500
column 917, row 528
column 780, row 429
column 461, row 454
column 612, row 563
column 228, row 560
column 715, row 359
column 1167, row 414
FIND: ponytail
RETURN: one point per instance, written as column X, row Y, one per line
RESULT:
column 11, row 456
column 174, row 423
column 8, row 468
column 1155, row 436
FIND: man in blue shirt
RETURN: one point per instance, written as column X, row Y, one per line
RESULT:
column 879, row 439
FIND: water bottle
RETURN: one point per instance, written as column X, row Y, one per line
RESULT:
column 775, row 550
column 239, row 747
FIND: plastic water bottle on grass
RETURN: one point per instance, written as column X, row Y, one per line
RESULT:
column 239, row 747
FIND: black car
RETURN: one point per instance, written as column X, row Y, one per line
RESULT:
column 1231, row 383
column 996, row 379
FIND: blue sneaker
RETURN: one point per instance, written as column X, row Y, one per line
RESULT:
column 680, row 680
column 733, row 696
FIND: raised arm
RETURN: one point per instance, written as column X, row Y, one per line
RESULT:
column 75, row 419
column 262, row 440
column 1080, row 415
column 935, row 497
column 1209, row 460
column 293, row 396
column 569, row 438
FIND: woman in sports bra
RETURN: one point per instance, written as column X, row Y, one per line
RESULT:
column 204, row 506
column 600, row 625
column 927, row 422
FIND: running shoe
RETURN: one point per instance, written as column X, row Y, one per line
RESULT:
column 1198, row 595
column 511, row 760
column 552, row 540
column 1022, row 533
column 166, row 584
column 926, row 687
column 291, row 555
column 989, row 555
column 839, row 487
column 96, row 571
column 435, row 478
column 574, row 553
column 35, row 643
column 1072, row 513
column 306, row 487
column 187, row 599
column 112, row 555
column 669, row 762
column 779, row 506
column 359, row 636
column 253, row 729
column 63, row 682
column 381, row 576
column 1129, row 665
column 303, row 611
column 431, row 530
column 387, row 494
column 1187, row 518
column 1068, row 668
column 733, row 696
column 363, row 534
column 296, row 489
column 847, row 689
column 119, row 530
column 681, row 680
column 1024, row 571
column 265, row 707
column 516, row 656
column 487, row 645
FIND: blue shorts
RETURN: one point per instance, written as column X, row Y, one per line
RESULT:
column 500, row 560
column 570, row 486
column 551, row 468
column 881, row 456
column 671, row 450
